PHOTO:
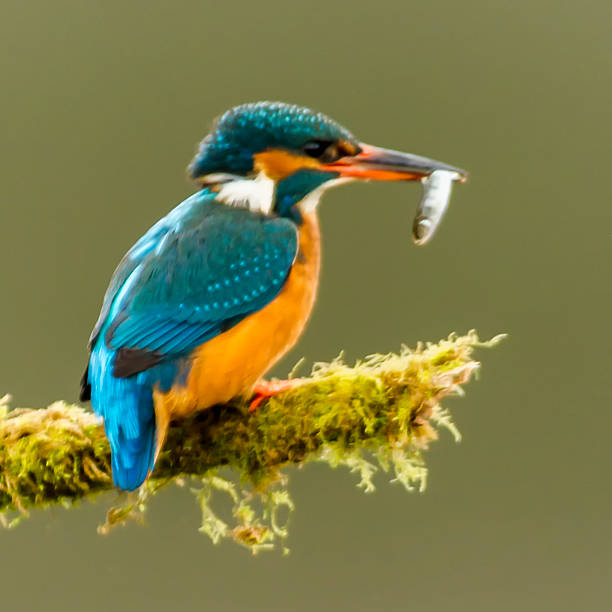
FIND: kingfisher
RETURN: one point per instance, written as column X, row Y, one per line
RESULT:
column 217, row 291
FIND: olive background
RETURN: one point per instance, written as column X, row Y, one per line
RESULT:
column 101, row 106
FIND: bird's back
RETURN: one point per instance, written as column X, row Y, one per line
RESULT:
column 198, row 310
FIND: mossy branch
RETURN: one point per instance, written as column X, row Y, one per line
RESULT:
column 386, row 407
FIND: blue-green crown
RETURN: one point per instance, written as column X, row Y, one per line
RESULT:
column 246, row 130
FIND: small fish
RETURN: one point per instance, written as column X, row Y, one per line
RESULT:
column 433, row 204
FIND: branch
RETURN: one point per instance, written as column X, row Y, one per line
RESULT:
column 386, row 406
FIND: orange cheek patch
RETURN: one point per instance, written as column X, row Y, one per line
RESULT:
column 278, row 164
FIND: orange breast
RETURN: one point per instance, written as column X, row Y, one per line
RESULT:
column 230, row 364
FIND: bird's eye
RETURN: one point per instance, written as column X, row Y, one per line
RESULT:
column 317, row 148
column 326, row 151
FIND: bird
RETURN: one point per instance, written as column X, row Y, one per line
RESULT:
column 218, row 290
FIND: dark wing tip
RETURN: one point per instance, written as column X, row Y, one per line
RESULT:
column 129, row 361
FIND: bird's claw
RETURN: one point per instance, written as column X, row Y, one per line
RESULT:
column 269, row 388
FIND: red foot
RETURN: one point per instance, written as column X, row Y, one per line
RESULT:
column 269, row 388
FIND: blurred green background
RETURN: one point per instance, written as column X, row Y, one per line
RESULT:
column 101, row 106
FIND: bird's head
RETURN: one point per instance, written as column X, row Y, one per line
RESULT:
column 279, row 158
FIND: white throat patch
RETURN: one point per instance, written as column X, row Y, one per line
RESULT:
column 256, row 194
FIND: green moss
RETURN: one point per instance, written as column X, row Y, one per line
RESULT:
column 381, row 413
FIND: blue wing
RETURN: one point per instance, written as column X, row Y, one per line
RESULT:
column 194, row 274
column 211, row 268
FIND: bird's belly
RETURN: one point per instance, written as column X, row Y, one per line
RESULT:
column 231, row 363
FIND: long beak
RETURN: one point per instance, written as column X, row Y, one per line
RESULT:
column 386, row 165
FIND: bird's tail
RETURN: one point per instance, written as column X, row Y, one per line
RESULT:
column 126, row 404
column 131, row 433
